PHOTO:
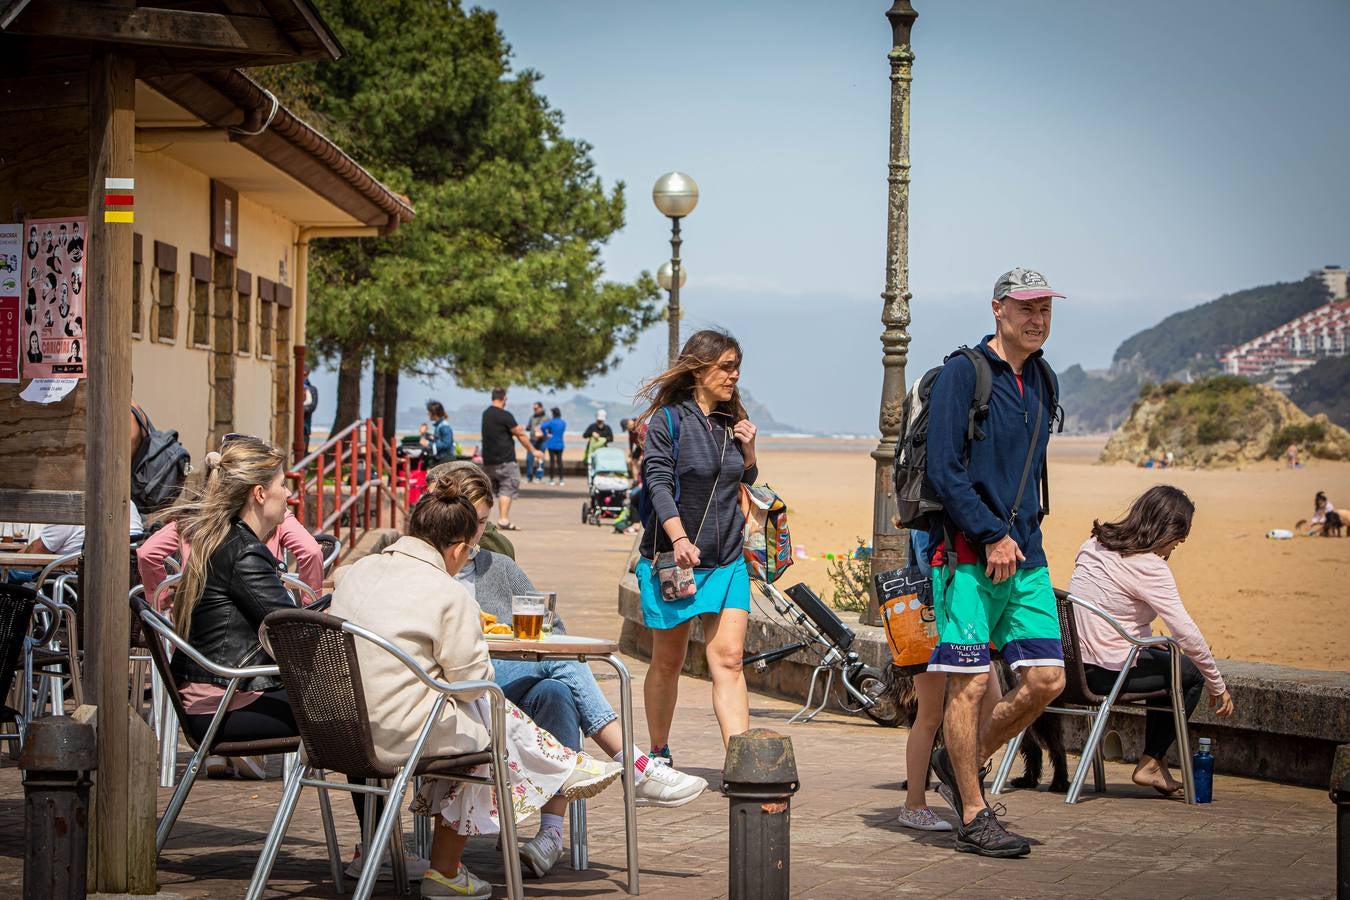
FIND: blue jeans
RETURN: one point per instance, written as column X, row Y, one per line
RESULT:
column 587, row 710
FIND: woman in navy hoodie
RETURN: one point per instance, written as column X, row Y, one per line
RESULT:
column 700, row 449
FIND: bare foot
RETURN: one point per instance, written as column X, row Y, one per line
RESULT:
column 1152, row 773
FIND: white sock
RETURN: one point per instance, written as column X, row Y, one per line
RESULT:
column 640, row 762
column 551, row 824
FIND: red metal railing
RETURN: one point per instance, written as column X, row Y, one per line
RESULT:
column 357, row 503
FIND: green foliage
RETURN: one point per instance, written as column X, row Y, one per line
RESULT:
column 850, row 576
column 498, row 278
column 1212, row 407
column 1324, row 388
column 1190, row 340
column 1303, row 435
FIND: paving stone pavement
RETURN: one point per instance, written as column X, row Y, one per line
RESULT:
column 1257, row 840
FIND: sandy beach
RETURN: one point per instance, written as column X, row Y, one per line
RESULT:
column 1284, row 602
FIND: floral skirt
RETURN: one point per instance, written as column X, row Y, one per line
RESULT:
column 536, row 764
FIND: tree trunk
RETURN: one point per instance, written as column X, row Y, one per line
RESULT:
column 390, row 403
column 377, row 392
column 349, row 389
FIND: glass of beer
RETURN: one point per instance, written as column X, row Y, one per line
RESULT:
column 527, row 616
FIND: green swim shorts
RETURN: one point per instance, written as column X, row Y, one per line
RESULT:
column 1019, row 617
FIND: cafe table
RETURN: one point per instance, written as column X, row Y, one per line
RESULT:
column 38, row 561
column 587, row 649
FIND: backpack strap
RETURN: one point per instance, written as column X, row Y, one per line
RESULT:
column 1056, row 414
column 144, row 422
column 979, row 398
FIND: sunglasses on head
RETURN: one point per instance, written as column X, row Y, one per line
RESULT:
column 233, row 436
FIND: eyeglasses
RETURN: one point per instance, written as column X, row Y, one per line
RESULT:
column 730, row 366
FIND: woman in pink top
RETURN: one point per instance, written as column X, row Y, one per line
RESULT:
column 1122, row 569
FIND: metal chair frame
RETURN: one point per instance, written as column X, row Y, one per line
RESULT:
column 304, row 775
column 1101, row 713
column 162, row 630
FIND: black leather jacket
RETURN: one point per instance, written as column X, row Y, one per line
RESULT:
column 242, row 587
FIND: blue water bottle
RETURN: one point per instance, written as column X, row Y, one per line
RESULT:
column 1202, row 767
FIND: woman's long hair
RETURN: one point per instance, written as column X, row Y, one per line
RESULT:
column 703, row 349
column 1157, row 517
column 444, row 515
column 204, row 521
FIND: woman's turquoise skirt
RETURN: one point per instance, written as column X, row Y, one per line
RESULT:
column 727, row 587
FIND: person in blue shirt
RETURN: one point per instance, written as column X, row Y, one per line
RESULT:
column 553, row 442
column 439, row 441
column 993, row 585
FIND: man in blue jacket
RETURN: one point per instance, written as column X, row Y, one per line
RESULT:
column 997, row 587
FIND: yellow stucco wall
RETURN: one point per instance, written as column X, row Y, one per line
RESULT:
column 173, row 379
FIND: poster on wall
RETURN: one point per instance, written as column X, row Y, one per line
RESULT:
column 54, row 254
column 11, row 252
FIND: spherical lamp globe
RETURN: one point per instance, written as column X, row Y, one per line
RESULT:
column 675, row 195
column 663, row 275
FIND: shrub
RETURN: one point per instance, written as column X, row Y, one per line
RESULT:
column 1310, row 433
column 850, row 576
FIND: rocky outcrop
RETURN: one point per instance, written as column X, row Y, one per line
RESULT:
column 1221, row 421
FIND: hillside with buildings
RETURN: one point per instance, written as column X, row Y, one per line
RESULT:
column 1266, row 334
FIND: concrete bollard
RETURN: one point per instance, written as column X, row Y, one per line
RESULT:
column 759, row 778
column 58, row 755
column 1340, row 795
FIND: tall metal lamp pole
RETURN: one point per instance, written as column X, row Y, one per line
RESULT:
column 675, row 195
column 890, row 549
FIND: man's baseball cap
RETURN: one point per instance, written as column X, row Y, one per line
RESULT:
column 1023, row 284
column 600, row 415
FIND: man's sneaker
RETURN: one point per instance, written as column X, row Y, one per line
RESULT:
column 660, row 785
column 464, row 884
column 416, row 865
column 986, row 836
column 662, row 753
column 922, row 819
column 541, row 853
column 590, row 777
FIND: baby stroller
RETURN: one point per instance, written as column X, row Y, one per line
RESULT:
column 608, row 484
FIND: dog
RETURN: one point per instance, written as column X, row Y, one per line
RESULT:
column 1044, row 736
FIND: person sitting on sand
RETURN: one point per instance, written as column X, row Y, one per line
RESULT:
column 1122, row 569
column 1326, row 520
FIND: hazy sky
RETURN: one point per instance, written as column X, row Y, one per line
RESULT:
column 1145, row 156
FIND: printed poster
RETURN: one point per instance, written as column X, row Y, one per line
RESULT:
column 53, row 263
column 11, row 248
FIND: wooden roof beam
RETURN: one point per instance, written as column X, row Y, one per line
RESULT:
column 156, row 27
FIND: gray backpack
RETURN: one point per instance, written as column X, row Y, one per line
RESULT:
column 159, row 469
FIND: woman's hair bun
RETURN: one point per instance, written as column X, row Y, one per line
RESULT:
column 212, row 460
column 445, row 490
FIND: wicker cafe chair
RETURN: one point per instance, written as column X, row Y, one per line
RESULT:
column 1078, row 699
column 16, row 616
column 316, row 653
column 160, row 635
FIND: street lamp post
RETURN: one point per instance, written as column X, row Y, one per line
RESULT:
column 890, row 548
column 675, row 195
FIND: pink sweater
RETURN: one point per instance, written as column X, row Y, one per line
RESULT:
column 1134, row 590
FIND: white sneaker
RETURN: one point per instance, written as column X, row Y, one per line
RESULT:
column 663, row 786
column 464, row 884
column 590, row 777
column 417, row 866
column 250, row 768
column 217, row 767
column 541, row 853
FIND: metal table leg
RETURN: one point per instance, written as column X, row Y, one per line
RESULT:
column 629, row 776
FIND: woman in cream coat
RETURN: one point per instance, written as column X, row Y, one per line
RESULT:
column 408, row 594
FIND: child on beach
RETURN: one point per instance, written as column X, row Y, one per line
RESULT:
column 1326, row 520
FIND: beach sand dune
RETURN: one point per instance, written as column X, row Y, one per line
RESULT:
column 1284, row 602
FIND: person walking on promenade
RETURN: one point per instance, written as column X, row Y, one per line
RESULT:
column 990, row 577
column 1123, row 570
column 700, row 449
column 553, row 430
column 534, row 460
column 598, row 434
column 501, row 433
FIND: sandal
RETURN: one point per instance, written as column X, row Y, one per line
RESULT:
column 507, row 526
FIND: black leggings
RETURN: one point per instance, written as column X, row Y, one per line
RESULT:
column 269, row 716
column 555, row 465
column 1153, row 672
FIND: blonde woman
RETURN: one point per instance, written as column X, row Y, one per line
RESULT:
column 409, row 594
column 229, row 585
column 696, row 522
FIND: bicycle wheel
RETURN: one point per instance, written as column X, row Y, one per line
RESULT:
column 875, row 685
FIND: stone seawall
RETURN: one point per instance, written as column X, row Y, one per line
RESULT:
column 1286, row 725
